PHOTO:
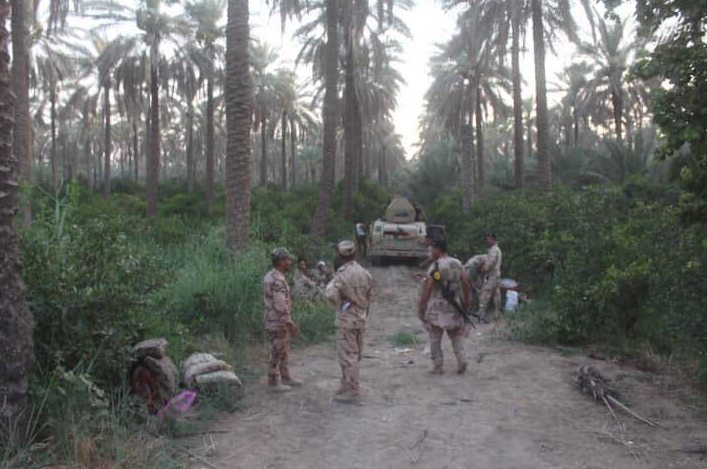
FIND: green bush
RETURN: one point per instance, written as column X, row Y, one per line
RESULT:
column 86, row 285
column 608, row 263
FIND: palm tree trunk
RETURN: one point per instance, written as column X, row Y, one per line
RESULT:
column 617, row 104
column 22, row 142
column 238, row 121
column 329, row 114
column 350, row 169
column 136, row 151
column 263, row 149
column 190, row 148
column 383, row 168
column 481, row 175
column 55, row 163
column 153, row 166
column 210, row 138
column 293, row 152
column 284, row 150
column 469, row 183
column 15, row 317
column 519, row 164
column 575, row 120
column 87, row 156
column 542, row 119
column 107, row 142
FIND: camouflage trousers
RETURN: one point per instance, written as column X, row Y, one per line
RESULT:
column 489, row 291
column 455, row 335
column 349, row 344
column 279, row 356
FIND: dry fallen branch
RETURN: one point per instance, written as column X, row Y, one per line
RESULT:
column 593, row 383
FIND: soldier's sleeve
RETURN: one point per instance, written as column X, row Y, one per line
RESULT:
column 332, row 292
column 281, row 301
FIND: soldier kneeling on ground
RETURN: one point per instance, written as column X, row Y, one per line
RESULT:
column 446, row 283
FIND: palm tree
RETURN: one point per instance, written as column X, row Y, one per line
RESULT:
column 238, row 122
column 205, row 15
column 155, row 27
column 265, row 82
column 184, row 70
column 16, row 319
column 51, row 67
column 22, row 142
column 330, row 66
column 610, row 58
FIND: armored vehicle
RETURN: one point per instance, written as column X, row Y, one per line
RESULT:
column 400, row 234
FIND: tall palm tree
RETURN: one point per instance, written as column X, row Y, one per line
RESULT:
column 330, row 67
column 51, row 66
column 22, row 143
column 263, row 58
column 238, row 122
column 156, row 26
column 610, row 57
column 15, row 317
column 205, row 15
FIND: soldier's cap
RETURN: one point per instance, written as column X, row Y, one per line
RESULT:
column 491, row 234
column 321, row 264
column 280, row 253
column 346, row 248
column 439, row 244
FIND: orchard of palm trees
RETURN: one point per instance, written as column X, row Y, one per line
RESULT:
column 153, row 152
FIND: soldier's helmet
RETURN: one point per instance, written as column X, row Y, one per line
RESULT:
column 278, row 254
column 346, row 248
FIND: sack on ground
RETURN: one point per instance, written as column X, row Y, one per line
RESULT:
column 155, row 348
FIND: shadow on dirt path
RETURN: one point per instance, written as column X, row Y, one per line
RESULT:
column 516, row 407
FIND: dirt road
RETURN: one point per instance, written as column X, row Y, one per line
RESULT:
column 516, row 407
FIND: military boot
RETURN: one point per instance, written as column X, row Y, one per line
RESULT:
column 461, row 368
column 278, row 388
column 345, row 398
column 437, row 370
column 293, row 383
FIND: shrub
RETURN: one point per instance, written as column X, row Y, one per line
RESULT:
column 608, row 263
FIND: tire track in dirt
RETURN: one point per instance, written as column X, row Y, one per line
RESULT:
column 515, row 408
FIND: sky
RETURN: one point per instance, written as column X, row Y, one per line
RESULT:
column 429, row 26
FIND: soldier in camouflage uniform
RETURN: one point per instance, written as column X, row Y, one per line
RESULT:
column 350, row 291
column 492, row 273
column 437, row 313
column 278, row 321
column 304, row 287
column 474, row 268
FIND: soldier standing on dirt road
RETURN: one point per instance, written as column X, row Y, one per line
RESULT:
column 446, row 278
column 350, row 291
column 492, row 271
column 278, row 321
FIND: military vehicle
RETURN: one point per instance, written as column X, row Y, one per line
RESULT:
column 400, row 234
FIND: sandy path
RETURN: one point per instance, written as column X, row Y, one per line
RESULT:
column 515, row 408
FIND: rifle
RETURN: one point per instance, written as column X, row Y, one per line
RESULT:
column 448, row 295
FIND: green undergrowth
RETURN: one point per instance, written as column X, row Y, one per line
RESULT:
column 603, row 264
column 402, row 339
column 100, row 277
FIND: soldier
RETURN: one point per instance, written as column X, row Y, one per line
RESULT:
column 361, row 238
column 446, row 282
column 492, row 273
column 476, row 277
column 278, row 321
column 350, row 291
column 304, row 285
column 324, row 274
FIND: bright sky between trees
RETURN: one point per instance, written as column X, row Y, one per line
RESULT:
column 429, row 25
